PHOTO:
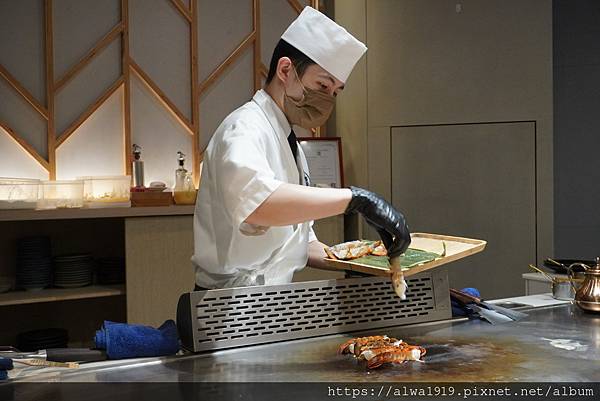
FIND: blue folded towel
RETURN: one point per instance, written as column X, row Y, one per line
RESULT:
column 3, row 375
column 474, row 292
column 122, row 340
column 6, row 363
column 458, row 309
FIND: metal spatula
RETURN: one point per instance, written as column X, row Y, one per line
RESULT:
column 469, row 299
column 491, row 316
column 485, row 314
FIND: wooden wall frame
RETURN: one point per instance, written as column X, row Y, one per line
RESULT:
column 128, row 66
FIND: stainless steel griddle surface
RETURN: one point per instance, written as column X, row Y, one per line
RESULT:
column 553, row 344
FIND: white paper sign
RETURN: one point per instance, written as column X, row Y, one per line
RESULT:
column 323, row 157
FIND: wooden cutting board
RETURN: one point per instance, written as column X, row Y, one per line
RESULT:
column 456, row 248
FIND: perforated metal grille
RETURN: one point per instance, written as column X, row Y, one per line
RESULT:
column 252, row 315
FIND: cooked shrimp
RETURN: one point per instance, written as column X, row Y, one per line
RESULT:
column 398, row 281
column 349, row 346
column 396, row 356
column 385, row 342
column 379, row 249
column 377, row 350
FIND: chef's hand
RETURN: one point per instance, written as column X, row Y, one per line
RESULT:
column 389, row 223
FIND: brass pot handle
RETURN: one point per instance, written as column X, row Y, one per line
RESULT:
column 585, row 267
column 572, row 273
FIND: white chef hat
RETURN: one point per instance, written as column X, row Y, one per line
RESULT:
column 325, row 42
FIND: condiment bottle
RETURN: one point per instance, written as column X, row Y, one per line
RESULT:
column 184, row 191
column 138, row 167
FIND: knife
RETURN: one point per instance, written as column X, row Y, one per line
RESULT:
column 57, row 354
column 473, row 309
column 466, row 298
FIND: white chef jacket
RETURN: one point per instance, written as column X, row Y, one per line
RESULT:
column 247, row 159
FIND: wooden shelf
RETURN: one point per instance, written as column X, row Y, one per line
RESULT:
column 61, row 214
column 60, row 294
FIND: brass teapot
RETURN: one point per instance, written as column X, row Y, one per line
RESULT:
column 587, row 296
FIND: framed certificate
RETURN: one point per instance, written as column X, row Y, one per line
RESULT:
column 324, row 157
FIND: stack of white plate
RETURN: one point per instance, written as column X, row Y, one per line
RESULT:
column 72, row 271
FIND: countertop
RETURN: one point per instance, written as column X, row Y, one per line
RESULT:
column 85, row 213
column 554, row 343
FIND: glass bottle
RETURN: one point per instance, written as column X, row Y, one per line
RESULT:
column 137, row 167
column 184, row 191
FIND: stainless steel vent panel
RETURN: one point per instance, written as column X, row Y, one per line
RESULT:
column 254, row 315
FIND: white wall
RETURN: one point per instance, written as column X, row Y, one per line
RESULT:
column 159, row 42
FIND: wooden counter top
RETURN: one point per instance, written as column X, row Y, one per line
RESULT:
column 60, row 294
column 60, row 214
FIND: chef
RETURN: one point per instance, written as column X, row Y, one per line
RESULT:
column 255, row 208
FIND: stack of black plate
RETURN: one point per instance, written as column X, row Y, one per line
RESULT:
column 34, row 263
column 72, row 271
column 111, row 270
column 42, row 339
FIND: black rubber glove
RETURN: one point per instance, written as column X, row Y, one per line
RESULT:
column 389, row 223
